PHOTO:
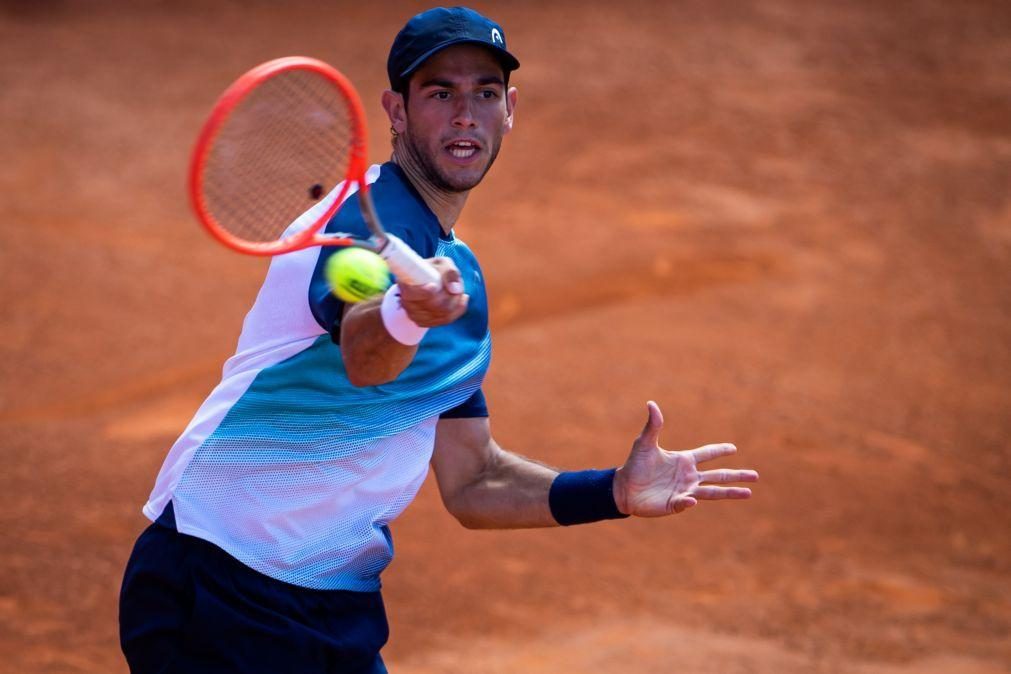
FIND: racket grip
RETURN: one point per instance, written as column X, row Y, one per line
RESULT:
column 407, row 265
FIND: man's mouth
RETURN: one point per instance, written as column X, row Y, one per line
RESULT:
column 463, row 149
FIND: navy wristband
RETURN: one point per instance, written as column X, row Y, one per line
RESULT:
column 583, row 496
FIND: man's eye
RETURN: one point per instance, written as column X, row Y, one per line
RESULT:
column 489, row 93
column 441, row 95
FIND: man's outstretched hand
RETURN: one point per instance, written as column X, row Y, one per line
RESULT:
column 656, row 482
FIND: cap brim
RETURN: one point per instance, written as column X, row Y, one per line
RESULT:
column 508, row 61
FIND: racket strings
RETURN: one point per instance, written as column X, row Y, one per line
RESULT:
column 283, row 148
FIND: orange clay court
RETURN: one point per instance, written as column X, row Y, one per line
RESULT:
column 786, row 221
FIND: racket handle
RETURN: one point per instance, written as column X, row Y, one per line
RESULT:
column 407, row 265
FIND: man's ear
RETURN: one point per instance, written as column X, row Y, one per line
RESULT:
column 511, row 97
column 393, row 104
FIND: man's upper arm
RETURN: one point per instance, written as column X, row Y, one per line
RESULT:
column 464, row 451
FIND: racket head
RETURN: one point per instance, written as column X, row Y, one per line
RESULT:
column 278, row 154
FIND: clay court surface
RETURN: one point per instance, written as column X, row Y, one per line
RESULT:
column 786, row 221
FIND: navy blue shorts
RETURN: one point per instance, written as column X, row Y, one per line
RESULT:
column 187, row 606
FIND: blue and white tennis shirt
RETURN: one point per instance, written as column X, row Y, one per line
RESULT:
column 287, row 466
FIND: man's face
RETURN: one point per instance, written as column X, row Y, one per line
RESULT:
column 458, row 109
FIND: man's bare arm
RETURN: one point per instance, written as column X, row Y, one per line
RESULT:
column 483, row 485
column 371, row 355
column 486, row 487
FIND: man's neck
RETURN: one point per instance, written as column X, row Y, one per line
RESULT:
column 445, row 205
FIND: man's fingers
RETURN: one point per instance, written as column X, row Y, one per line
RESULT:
column 707, row 452
column 450, row 275
column 719, row 493
column 650, row 435
column 434, row 304
column 430, row 316
column 683, row 503
column 451, row 281
column 728, row 475
column 422, row 293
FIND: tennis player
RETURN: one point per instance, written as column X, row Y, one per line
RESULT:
column 271, row 512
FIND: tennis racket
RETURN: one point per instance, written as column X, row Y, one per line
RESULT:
column 282, row 150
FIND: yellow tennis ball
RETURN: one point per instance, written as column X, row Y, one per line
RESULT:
column 356, row 274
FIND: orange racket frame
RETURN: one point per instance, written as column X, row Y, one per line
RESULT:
column 224, row 107
column 404, row 262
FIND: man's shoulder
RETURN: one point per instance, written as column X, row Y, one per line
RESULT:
column 400, row 208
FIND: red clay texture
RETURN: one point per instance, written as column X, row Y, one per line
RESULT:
column 787, row 222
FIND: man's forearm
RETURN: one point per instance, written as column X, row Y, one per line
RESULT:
column 379, row 337
column 371, row 356
column 511, row 493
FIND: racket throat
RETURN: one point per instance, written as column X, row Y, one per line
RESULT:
column 368, row 210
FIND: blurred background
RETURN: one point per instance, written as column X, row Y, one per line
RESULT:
column 786, row 221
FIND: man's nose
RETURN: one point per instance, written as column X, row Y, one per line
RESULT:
column 463, row 116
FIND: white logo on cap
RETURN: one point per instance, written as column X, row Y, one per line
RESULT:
column 496, row 36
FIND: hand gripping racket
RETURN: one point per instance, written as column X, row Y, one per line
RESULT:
column 283, row 148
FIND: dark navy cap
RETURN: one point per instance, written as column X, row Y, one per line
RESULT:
column 438, row 28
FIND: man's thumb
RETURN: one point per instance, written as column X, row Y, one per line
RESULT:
column 650, row 435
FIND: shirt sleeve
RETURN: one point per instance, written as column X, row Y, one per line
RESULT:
column 475, row 406
column 327, row 307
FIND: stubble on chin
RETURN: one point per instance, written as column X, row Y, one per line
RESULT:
column 438, row 178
